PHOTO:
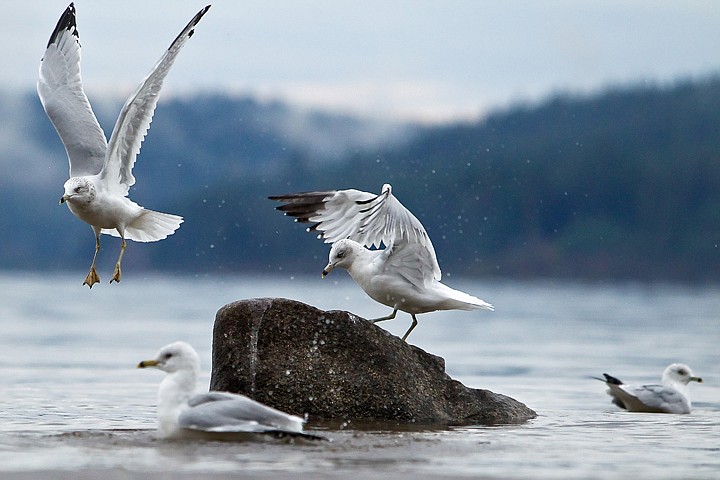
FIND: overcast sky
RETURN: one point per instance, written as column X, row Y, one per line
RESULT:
column 430, row 60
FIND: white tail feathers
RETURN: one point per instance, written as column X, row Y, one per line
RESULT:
column 150, row 226
column 463, row 301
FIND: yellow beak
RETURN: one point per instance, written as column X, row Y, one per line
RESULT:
column 328, row 268
column 147, row 364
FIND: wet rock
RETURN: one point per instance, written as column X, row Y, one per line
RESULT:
column 334, row 364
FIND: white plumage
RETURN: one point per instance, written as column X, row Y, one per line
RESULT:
column 101, row 171
column 213, row 415
column 383, row 246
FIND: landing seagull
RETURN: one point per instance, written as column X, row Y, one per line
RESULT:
column 101, row 171
column 670, row 397
column 383, row 246
column 213, row 415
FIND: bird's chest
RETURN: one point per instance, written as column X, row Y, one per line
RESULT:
column 366, row 275
column 98, row 213
column 382, row 287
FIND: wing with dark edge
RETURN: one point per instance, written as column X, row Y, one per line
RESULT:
column 370, row 219
column 135, row 117
column 62, row 96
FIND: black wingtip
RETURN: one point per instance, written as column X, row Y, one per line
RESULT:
column 191, row 25
column 196, row 19
column 199, row 15
column 67, row 22
column 612, row 380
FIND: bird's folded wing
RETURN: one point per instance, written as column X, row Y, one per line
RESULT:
column 61, row 94
column 227, row 412
column 657, row 396
column 135, row 117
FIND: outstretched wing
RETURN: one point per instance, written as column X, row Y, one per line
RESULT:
column 336, row 214
column 136, row 115
column 61, row 94
column 369, row 219
column 228, row 412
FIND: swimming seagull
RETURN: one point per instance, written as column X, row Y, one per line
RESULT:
column 212, row 415
column 100, row 171
column 383, row 246
column 670, row 397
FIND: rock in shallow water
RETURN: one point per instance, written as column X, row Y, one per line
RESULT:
column 333, row 364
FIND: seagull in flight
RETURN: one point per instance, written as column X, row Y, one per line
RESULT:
column 384, row 248
column 213, row 415
column 670, row 397
column 101, row 171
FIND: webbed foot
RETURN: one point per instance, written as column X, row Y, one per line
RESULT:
column 117, row 274
column 92, row 278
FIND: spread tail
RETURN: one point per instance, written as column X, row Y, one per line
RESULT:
column 151, row 226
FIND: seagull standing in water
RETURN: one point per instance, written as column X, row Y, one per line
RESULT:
column 101, row 171
column 670, row 397
column 404, row 275
column 213, row 415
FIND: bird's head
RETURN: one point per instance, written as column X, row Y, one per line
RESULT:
column 679, row 373
column 78, row 190
column 342, row 254
column 174, row 357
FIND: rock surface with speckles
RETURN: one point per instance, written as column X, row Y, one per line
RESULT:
column 335, row 365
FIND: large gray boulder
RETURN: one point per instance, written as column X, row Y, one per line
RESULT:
column 335, row 365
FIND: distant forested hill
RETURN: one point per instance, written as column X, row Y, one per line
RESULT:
column 626, row 183
column 622, row 184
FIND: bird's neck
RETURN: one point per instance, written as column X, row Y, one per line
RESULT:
column 679, row 386
column 174, row 392
column 364, row 263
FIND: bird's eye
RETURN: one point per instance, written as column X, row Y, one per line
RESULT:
column 682, row 371
column 341, row 254
column 167, row 356
column 77, row 189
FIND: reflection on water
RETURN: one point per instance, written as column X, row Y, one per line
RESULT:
column 73, row 401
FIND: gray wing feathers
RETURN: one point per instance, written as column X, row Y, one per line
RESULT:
column 227, row 412
column 411, row 261
column 343, row 215
column 63, row 98
column 660, row 397
column 335, row 213
column 649, row 398
column 135, row 117
column 386, row 220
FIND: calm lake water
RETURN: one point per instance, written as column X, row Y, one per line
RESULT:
column 74, row 406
